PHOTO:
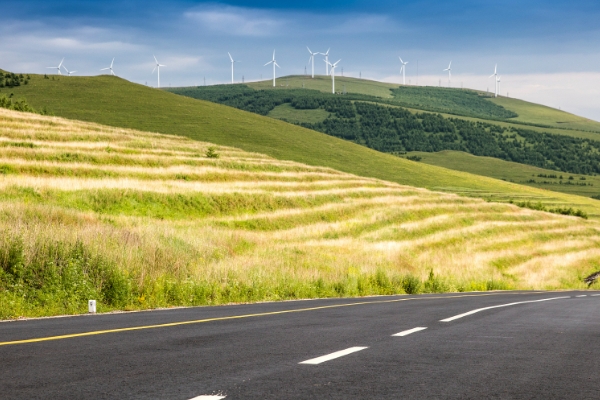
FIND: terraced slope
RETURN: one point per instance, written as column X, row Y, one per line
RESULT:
column 140, row 220
column 116, row 102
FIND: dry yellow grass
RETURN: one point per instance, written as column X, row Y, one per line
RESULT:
column 279, row 221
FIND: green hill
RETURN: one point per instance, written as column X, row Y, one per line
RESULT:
column 116, row 102
column 529, row 113
column 388, row 126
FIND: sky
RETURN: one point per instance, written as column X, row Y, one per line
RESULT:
column 545, row 50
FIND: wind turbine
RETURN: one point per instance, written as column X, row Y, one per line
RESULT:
column 403, row 70
column 274, row 64
column 157, row 67
column 327, row 63
column 312, row 60
column 110, row 68
column 232, row 62
column 497, row 86
column 333, row 74
column 68, row 72
column 449, row 69
column 495, row 75
column 59, row 66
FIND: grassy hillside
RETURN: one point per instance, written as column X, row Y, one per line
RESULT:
column 529, row 113
column 116, row 102
column 138, row 220
column 386, row 126
column 581, row 185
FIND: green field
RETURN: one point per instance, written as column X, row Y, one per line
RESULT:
column 581, row 185
column 115, row 102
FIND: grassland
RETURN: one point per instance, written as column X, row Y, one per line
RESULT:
column 139, row 220
column 577, row 184
column 115, row 102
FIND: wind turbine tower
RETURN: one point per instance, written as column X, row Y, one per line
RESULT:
column 59, row 66
column 403, row 70
column 157, row 68
column 274, row 65
column 110, row 68
column 497, row 86
column 312, row 61
column 449, row 69
column 333, row 66
column 495, row 76
column 232, row 62
column 327, row 63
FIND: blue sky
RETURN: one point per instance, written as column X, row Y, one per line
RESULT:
column 545, row 50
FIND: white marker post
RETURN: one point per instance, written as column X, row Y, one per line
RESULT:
column 92, row 306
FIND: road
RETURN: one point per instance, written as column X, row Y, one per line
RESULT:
column 469, row 345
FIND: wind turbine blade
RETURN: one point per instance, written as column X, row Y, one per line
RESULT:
column 153, row 70
column 267, row 63
column 112, row 62
column 277, row 65
column 155, row 58
column 231, row 58
column 327, row 52
column 309, row 50
column 104, row 69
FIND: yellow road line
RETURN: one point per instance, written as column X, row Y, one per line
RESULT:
column 232, row 317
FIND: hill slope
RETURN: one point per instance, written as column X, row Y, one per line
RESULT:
column 116, row 102
column 529, row 113
column 140, row 220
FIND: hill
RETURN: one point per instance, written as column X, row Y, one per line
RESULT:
column 527, row 112
column 387, row 126
column 139, row 220
column 115, row 102
column 581, row 185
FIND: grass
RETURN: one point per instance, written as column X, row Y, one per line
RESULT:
column 581, row 185
column 115, row 102
column 134, row 235
column 288, row 113
column 538, row 114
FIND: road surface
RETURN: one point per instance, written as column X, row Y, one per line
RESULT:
column 472, row 345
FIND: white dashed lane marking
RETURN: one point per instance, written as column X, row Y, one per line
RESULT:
column 337, row 354
column 408, row 332
column 499, row 306
column 209, row 397
column 582, row 295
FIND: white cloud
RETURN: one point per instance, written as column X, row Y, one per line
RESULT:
column 238, row 21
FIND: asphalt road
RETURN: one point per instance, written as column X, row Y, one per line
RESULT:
column 317, row 349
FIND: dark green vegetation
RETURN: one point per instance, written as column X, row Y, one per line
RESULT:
column 9, row 79
column 115, row 102
column 559, row 210
column 371, row 122
column 451, row 101
column 19, row 105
